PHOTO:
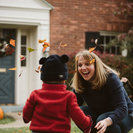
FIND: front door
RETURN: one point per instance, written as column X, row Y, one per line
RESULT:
column 7, row 61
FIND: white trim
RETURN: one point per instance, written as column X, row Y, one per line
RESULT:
column 109, row 33
column 22, row 21
column 23, row 8
column 17, row 64
column 48, row 4
column 20, row 6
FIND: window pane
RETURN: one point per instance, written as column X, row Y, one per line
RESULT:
column 118, row 50
column 113, row 37
column 5, row 36
column 23, row 50
column 113, row 49
column 90, row 39
column 23, row 63
column 104, row 40
column 101, row 40
column 107, row 39
column 107, row 50
column 23, row 40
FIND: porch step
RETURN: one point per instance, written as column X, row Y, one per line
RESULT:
column 11, row 108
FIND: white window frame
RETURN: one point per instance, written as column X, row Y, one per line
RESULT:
column 109, row 34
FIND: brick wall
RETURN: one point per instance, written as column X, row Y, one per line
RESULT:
column 70, row 19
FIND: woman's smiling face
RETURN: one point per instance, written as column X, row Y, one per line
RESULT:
column 85, row 69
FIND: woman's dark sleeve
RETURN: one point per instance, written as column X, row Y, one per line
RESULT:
column 79, row 98
column 118, row 100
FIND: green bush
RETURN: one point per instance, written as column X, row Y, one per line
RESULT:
column 124, row 41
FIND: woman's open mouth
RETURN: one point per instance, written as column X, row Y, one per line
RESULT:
column 85, row 73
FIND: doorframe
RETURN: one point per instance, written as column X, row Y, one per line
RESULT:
column 21, row 93
column 17, row 64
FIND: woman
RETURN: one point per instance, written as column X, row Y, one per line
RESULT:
column 100, row 88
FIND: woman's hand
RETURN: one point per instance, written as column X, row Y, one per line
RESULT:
column 102, row 125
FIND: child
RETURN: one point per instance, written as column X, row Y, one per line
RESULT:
column 49, row 109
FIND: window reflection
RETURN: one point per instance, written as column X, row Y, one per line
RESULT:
column 6, row 48
column 23, row 49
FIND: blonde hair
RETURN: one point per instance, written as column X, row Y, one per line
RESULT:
column 101, row 72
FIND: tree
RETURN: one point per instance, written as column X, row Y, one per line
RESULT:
column 124, row 9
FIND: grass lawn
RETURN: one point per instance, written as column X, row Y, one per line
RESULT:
column 26, row 130
column 131, row 131
column 7, row 119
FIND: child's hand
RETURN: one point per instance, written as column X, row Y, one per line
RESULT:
column 91, row 122
column 124, row 79
column 89, row 131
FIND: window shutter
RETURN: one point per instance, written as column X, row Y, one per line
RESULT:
column 90, row 38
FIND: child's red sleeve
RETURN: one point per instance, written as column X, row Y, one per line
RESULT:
column 81, row 120
column 29, row 108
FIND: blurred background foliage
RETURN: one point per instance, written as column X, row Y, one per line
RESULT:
column 125, row 41
column 122, row 64
column 124, row 9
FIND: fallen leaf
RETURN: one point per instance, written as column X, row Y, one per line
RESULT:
column 91, row 49
column 31, row 50
column 45, row 45
column 19, row 113
column 96, row 41
column 20, row 73
column 41, row 41
column 22, row 57
column 43, row 50
column 12, row 42
column 62, row 45
column 12, row 68
column 38, row 69
column 92, row 61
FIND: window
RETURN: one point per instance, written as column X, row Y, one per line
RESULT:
column 23, row 49
column 103, row 39
column 6, row 48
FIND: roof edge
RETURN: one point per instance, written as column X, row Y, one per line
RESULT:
column 48, row 4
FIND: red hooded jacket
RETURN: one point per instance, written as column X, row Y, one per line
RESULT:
column 49, row 109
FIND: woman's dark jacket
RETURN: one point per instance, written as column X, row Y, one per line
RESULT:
column 112, row 97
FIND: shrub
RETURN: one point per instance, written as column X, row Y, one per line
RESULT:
column 124, row 41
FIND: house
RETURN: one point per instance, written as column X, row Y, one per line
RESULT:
column 78, row 22
column 69, row 26
column 25, row 21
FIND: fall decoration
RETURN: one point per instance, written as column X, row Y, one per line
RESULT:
column 1, row 114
